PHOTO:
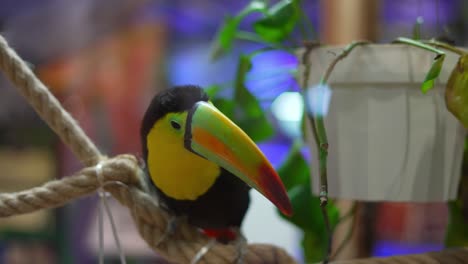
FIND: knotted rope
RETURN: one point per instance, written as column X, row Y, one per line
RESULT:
column 121, row 176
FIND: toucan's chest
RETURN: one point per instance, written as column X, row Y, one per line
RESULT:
column 223, row 205
column 177, row 172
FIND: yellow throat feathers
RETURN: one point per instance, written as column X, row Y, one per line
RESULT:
column 177, row 172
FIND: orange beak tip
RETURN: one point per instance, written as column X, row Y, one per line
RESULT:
column 286, row 209
column 274, row 190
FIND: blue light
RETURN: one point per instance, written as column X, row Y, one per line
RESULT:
column 318, row 99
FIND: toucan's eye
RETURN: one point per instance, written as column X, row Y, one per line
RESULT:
column 175, row 125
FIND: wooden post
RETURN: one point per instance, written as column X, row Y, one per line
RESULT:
column 344, row 21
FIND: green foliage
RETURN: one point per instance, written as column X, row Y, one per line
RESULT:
column 275, row 25
column 274, row 28
column 248, row 113
column 433, row 73
column 456, row 93
column 278, row 22
column 225, row 37
column 436, row 65
column 244, row 109
column 226, row 106
column 213, row 90
column 227, row 33
column 457, row 230
column 307, row 212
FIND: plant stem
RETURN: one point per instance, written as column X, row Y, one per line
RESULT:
column 341, row 56
column 305, row 78
column 320, row 125
column 418, row 44
column 349, row 234
column 320, row 134
column 309, row 46
column 348, row 214
column 329, row 231
column 323, row 156
column 446, row 46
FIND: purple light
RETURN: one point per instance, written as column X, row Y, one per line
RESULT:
column 406, row 12
column 391, row 248
column 272, row 74
column 276, row 152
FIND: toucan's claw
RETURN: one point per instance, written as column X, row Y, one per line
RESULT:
column 203, row 251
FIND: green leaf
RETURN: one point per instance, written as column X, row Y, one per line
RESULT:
column 226, row 106
column 308, row 217
column 304, row 207
column 456, row 92
column 457, row 230
column 226, row 35
column 315, row 248
column 433, row 73
column 295, row 175
column 436, row 66
column 224, row 38
column 248, row 114
column 212, row 91
column 279, row 21
column 295, row 170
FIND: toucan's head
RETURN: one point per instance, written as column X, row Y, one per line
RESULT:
column 184, row 118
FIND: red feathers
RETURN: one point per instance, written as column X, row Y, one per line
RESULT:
column 222, row 235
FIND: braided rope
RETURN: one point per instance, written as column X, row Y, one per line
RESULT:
column 121, row 176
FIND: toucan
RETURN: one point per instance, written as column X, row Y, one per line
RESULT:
column 202, row 165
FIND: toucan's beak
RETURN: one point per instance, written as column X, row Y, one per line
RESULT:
column 213, row 136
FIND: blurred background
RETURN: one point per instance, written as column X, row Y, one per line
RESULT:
column 104, row 60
